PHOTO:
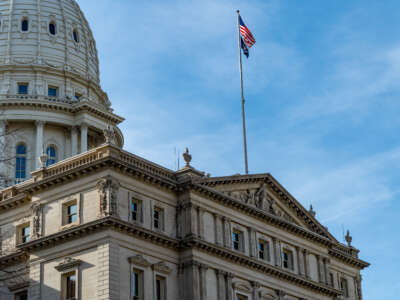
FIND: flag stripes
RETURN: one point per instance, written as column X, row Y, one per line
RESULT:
column 247, row 36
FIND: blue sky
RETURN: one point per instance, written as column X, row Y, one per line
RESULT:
column 322, row 90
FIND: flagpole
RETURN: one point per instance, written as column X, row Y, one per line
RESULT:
column 246, row 165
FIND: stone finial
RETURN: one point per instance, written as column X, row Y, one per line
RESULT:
column 312, row 211
column 187, row 157
column 109, row 134
column 348, row 238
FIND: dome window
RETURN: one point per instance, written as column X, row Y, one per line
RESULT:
column 75, row 34
column 25, row 25
column 22, row 89
column 52, row 28
column 51, row 155
column 20, row 162
column 52, row 91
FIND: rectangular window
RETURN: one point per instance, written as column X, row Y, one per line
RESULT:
column 22, row 88
column 263, row 250
column 237, row 240
column 69, row 283
column 72, row 213
column 344, row 287
column 158, row 218
column 136, row 210
column 21, row 296
column 287, row 257
column 25, row 234
column 137, row 285
column 241, row 297
column 52, row 91
column 160, row 288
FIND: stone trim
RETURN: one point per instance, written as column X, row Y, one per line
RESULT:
column 139, row 260
column 13, row 258
column 95, row 226
column 68, row 264
column 161, row 267
column 260, row 266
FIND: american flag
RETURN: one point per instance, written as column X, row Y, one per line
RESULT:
column 247, row 37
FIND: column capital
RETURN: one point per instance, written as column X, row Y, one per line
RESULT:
column 74, row 129
column 40, row 123
column 255, row 284
column 84, row 125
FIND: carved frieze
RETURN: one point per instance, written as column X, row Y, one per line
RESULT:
column 108, row 189
column 67, row 264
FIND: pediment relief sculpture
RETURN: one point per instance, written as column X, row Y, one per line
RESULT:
column 161, row 267
column 67, row 264
column 242, row 286
column 139, row 260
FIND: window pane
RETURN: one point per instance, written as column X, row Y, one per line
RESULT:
column 135, row 285
column 76, row 35
column 52, row 28
column 25, row 25
column 71, row 285
column 23, row 89
column 158, row 289
column 52, row 92
column 21, row 149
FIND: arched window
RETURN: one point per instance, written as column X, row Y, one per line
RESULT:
column 25, row 25
column 51, row 155
column 52, row 28
column 20, row 163
column 76, row 35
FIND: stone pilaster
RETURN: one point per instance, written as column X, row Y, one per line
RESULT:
column 326, row 270
column 108, row 270
column 226, row 225
column 84, row 137
column 203, row 281
column 34, row 285
column 256, row 286
column 298, row 260
column 74, row 141
column 277, row 252
column 200, row 222
column 306, row 263
column 39, row 142
column 320, row 269
column 229, row 289
column 221, row 287
column 252, row 242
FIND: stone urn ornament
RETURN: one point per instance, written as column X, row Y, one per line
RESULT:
column 187, row 157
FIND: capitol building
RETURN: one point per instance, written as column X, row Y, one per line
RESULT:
column 81, row 218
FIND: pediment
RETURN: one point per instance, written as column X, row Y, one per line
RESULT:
column 265, row 193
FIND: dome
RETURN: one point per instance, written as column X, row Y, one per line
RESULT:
column 51, row 101
column 52, row 33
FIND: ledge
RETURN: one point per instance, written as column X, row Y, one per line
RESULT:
column 13, row 258
column 238, row 258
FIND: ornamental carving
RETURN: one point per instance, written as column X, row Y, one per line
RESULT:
column 139, row 260
column 67, row 264
column 161, row 267
column 36, row 211
column 108, row 192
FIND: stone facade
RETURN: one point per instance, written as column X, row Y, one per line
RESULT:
column 192, row 247
column 90, row 221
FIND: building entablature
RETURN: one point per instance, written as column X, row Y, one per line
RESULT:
column 108, row 156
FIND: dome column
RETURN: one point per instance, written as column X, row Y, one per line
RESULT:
column 84, row 134
column 74, row 141
column 39, row 142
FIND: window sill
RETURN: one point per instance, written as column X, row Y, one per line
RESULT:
column 68, row 226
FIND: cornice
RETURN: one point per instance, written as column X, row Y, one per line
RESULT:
column 59, row 104
column 348, row 259
column 96, row 226
column 270, row 218
column 241, row 259
column 14, row 201
column 13, row 258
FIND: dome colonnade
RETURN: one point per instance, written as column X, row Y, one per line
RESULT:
column 50, row 94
